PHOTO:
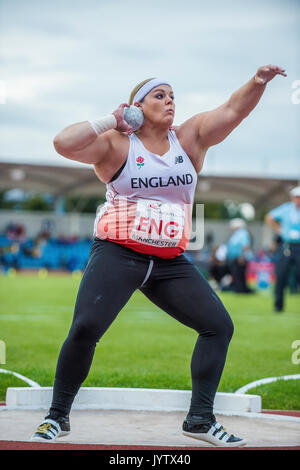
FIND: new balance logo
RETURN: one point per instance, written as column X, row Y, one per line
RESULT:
column 178, row 159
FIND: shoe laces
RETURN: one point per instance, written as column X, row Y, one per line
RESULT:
column 44, row 428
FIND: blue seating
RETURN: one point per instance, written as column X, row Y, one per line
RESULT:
column 52, row 254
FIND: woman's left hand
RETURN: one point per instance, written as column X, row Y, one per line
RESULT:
column 267, row 72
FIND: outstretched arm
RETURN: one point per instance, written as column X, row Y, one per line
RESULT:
column 214, row 126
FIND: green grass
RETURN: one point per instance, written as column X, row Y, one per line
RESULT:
column 144, row 347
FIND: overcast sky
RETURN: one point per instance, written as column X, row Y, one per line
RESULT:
column 67, row 61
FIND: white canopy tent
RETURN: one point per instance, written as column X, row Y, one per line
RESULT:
column 80, row 180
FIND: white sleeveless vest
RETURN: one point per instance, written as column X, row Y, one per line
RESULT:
column 149, row 205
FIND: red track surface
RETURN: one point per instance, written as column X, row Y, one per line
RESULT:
column 284, row 412
column 12, row 445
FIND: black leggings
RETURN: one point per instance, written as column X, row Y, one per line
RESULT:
column 111, row 276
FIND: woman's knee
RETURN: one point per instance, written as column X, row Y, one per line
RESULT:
column 223, row 324
column 85, row 331
column 219, row 323
column 228, row 326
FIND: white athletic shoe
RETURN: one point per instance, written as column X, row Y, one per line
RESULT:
column 211, row 432
column 49, row 430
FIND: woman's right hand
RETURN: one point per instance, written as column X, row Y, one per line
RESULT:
column 122, row 125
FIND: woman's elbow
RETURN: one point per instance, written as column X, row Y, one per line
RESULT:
column 61, row 148
column 57, row 143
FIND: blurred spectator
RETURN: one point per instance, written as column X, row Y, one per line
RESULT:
column 9, row 256
column 285, row 221
column 15, row 232
column 39, row 243
column 239, row 253
column 65, row 253
column 219, row 270
column 275, row 247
